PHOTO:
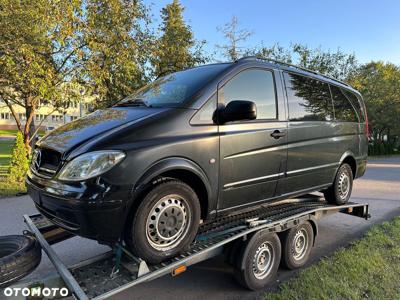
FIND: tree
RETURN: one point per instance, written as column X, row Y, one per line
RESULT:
column 336, row 64
column 116, row 51
column 234, row 36
column 19, row 160
column 379, row 83
column 36, row 51
column 176, row 49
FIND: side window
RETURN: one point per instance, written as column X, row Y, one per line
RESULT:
column 206, row 113
column 357, row 104
column 309, row 99
column 344, row 111
column 252, row 85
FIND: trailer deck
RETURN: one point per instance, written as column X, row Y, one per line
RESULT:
column 110, row 273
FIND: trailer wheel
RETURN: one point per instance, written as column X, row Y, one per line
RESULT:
column 258, row 260
column 296, row 245
column 165, row 223
column 19, row 256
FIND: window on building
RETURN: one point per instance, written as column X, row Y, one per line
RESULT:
column 252, row 85
column 309, row 99
column 344, row 111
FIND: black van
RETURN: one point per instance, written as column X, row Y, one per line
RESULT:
column 210, row 140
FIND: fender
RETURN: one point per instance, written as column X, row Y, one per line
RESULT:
column 174, row 163
column 346, row 154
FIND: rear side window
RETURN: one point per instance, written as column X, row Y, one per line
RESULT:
column 309, row 99
column 357, row 104
column 344, row 110
column 252, row 85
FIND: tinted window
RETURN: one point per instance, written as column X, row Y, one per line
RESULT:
column 253, row 85
column 174, row 89
column 357, row 104
column 344, row 111
column 308, row 99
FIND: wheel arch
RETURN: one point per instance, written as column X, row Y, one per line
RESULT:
column 349, row 158
column 182, row 169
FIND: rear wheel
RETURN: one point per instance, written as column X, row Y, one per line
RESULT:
column 258, row 260
column 165, row 222
column 340, row 191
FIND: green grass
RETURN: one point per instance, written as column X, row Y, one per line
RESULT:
column 13, row 132
column 8, row 132
column 7, row 188
column 368, row 269
column 5, row 152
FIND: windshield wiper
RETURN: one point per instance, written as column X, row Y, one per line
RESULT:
column 134, row 102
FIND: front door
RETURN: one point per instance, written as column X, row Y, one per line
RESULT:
column 252, row 153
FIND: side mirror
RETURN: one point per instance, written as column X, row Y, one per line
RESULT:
column 238, row 110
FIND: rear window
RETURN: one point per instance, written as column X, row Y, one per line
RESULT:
column 357, row 104
column 344, row 110
column 309, row 99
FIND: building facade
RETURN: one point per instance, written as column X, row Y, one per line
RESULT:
column 45, row 112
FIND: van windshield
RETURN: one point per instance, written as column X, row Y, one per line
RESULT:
column 175, row 89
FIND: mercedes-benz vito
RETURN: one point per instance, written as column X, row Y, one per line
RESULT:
column 206, row 141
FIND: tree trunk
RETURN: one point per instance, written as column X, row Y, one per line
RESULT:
column 29, row 129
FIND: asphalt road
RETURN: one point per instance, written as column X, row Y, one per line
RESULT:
column 213, row 279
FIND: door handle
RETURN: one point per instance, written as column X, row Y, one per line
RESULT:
column 278, row 134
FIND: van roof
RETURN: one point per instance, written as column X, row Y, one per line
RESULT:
column 290, row 67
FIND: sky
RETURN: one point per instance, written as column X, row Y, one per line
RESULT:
column 369, row 29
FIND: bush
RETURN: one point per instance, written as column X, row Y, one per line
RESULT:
column 19, row 163
column 381, row 149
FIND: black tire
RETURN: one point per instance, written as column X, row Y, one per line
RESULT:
column 19, row 256
column 149, row 230
column 340, row 191
column 249, row 274
column 297, row 243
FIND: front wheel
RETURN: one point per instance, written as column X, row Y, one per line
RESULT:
column 165, row 222
column 340, row 191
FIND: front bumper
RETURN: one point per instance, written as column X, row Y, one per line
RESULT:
column 91, row 209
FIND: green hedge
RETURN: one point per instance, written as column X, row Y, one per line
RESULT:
column 382, row 149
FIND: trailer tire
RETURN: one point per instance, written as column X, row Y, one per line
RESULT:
column 258, row 260
column 19, row 256
column 297, row 243
column 165, row 222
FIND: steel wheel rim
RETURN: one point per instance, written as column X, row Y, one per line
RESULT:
column 263, row 260
column 344, row 185
column 300, row 244
column 168, row 222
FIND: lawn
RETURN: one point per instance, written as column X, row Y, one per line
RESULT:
column 7, row 188
column 5, row 152
column 368, row 269
column 8, row 132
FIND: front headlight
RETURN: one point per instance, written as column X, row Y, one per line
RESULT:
column 90, row 164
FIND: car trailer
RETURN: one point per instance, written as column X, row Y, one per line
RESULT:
column 254, row 242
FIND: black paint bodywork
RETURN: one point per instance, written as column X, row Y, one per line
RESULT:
column 231, row 166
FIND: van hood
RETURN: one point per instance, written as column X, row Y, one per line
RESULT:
column 73, row 134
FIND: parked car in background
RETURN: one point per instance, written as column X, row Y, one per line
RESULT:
column 197, row 144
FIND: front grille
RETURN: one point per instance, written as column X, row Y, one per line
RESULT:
column 45, row 161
